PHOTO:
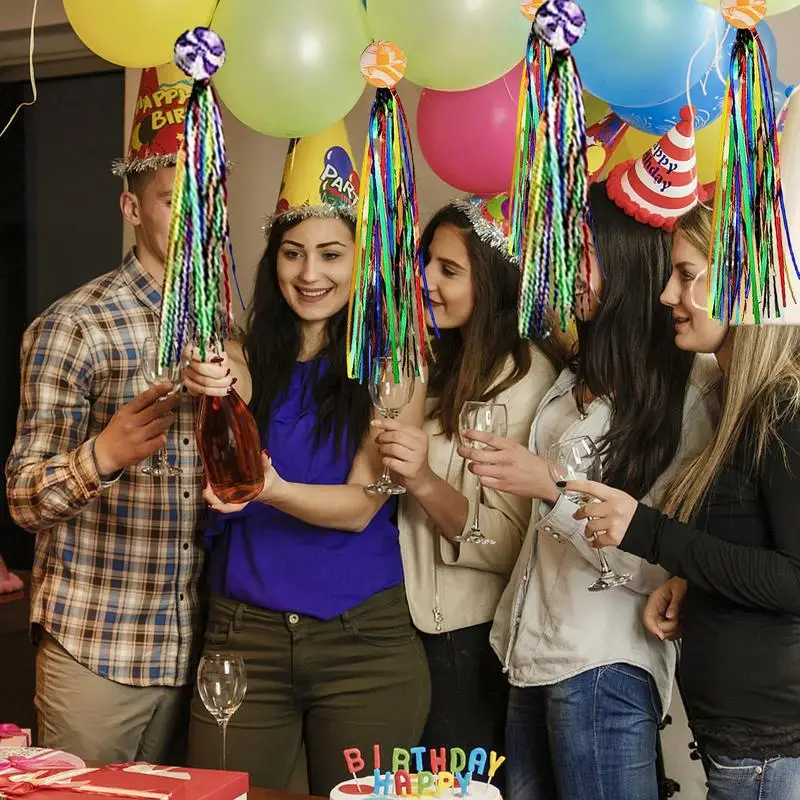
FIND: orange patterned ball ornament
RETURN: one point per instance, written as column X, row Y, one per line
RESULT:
column 529, row 8
column 744, row 13
column 383, row 64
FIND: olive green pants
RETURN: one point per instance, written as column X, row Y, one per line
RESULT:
column 353, row 681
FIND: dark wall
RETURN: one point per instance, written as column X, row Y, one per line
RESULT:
column 59, row 222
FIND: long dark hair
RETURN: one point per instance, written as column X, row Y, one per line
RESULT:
column 272, row 344
column 627, row 351
column 465, row 367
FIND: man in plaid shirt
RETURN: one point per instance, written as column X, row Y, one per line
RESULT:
column 118, row 558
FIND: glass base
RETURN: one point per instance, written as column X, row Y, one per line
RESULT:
column 609, row 580
column 162, row 471
column 385, row 489
column 474, row 537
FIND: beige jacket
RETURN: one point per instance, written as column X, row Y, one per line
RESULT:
column 451, row 586
column 548, row 627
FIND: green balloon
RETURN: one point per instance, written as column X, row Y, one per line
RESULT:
column 292, row 66
column 452, row 45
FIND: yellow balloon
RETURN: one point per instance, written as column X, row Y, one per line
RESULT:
column 136, row 33
column 635, row 143
column 452, row 45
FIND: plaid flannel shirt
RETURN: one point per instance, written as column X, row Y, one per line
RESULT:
column 117, row 564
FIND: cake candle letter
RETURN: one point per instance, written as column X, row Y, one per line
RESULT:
column 438, row 760
column 444, row 781
column 477, row 761
column 382, row 783
column 458, row 759
column 400, row 759
column 355, row 763
column 418, row 752
column 402, row 783
column 425, row 782
column 463, row 782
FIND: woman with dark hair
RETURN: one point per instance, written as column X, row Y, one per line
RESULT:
column 307, row 580
column 453, row 587
column 588, row 687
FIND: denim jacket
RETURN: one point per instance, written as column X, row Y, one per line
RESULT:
column 548, row 627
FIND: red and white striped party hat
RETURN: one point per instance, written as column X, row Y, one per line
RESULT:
column 660, row 186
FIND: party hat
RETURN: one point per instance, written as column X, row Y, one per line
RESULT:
column 319, row 178
column 750, row 256
column 602, row 139
column 661, row 186
column 386, row 316
column 158, row 120
column 490, row 219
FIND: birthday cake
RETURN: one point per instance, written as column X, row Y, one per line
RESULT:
column 420, row 773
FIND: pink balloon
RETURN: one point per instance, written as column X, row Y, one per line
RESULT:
column 469, row 138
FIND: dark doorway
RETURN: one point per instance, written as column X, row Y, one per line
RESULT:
column 59, row 222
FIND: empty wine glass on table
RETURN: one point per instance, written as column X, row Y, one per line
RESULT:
column 154, row 373
column 486, row 418
column 390, row 394
column 221, row 683
column 578, row 460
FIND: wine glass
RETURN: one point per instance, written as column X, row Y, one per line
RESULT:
column 578, row 460
column 222, row 683
column 487, row 418
column 154, row 373
column 390, row 394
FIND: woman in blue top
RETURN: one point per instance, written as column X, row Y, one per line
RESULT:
column 307, row 581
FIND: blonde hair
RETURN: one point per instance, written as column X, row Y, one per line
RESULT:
column 760, row 391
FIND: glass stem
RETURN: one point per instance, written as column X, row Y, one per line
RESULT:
column 386, row 475
column 604, row 568
column 476, row 520
column 223, row 727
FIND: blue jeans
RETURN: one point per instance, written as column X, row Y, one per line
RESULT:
column 750, row 779
column 592, row 737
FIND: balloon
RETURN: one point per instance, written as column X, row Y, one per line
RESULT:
column 707, row 96
column 469, row 138
column 136, row 33
column 773, row 6
column 292, row 67
column 637, row 53
column 452, row 45
column 636, row 143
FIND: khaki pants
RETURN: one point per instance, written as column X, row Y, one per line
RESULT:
column 102, row 721
column 353, row 681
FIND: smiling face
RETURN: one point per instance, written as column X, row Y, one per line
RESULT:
column 686, row 295
column 315, row 262
column 449, row 277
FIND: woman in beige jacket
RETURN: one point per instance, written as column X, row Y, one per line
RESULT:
column 453, row 588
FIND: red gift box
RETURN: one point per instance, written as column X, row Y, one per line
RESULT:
column 124, row 782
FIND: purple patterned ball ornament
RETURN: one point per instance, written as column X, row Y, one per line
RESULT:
column 560, row 23
column 200, row 53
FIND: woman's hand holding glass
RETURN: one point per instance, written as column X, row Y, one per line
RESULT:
column 509, row 467
column 404, row 450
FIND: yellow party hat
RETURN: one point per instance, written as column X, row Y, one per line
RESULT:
column 319, row 178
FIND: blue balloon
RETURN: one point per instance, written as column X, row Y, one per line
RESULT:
column 637, row 52
column 707, row 95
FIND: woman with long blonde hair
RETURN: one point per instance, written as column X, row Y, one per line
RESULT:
column 729, row 534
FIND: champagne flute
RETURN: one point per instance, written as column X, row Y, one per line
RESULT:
column 390, row 397
column 154, row 373
column 578, row 460
column 487, row 418
column 221, row 683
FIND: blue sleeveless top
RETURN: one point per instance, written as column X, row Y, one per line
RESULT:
column 269, row 559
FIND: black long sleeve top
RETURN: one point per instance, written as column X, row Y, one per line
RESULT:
column 740, row 657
